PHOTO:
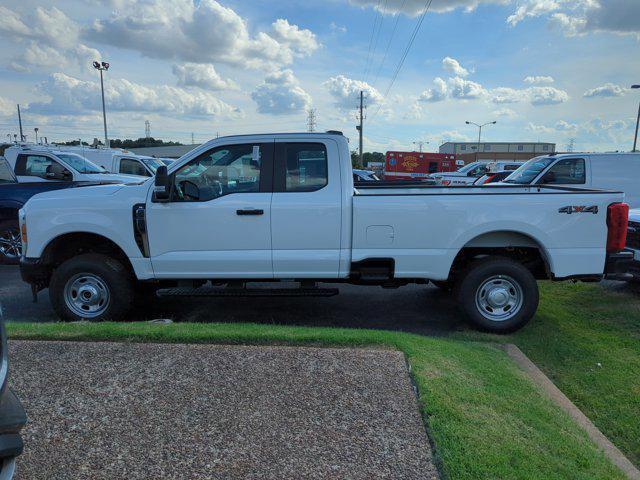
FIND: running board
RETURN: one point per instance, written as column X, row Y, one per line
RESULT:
column 247, row 292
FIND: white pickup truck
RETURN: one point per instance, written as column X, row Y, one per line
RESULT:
column 280, row 207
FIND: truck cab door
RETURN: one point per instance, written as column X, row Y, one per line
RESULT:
column 306, row 211
column 40, row 168
column 217, row 222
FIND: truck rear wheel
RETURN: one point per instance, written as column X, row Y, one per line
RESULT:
column 91, row 287
column 498, row 294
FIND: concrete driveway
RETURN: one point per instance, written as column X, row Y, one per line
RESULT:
column 109, row 410
column 414, row 308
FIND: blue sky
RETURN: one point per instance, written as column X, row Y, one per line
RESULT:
column 548, row 70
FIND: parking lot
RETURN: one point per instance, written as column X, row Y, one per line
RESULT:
column 414, row 308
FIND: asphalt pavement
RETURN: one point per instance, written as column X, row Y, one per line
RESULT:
column 414, row 308
column 138, row 411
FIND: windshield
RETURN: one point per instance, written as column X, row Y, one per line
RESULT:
column 469, row 167
column 79, row 163
column 530, row 170
column 152, row 163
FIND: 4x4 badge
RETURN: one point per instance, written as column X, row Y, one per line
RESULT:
column 579, row 209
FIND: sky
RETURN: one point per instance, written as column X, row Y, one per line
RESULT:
column 544, row 70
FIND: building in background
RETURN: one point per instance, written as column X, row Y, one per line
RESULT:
column 469, row 152
column 417, row 165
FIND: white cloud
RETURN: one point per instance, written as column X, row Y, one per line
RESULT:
column 414, row 112
column 606, row 90
column 547, row 96
column 577, row 17
column 416, row 7
column 202, row 76
column 334, row 27
column 507, row 95
column 281, row 93
column 201, row 32
column 451, row 65
column 7, row 107
column 71, row 95
column 538, row 80
column 465, row 89
column 435, row 94
column 505, row 113
column 346, row 92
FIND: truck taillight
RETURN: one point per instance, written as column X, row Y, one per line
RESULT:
column 617, row 223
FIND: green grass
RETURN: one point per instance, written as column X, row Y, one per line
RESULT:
column 587, row 340
column 487, row 420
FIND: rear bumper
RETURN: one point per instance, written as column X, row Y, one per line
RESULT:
column 619, row 263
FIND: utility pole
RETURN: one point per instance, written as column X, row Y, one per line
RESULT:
column 147, row 129
column 192, row 141
column 36, row 130
column 20, row 122
column 572, row 144
column 635, row 138
column 311, row 120
column 359, row 127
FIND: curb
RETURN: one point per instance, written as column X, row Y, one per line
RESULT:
column 540, row 379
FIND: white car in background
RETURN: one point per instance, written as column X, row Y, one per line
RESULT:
column 118, row 160
column 38, row 163
column 468, row 174
column 605, row 171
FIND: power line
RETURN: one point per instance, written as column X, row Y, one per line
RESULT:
column 427, row 5
column 386, row 51
column 373, row 31
column 377, row 37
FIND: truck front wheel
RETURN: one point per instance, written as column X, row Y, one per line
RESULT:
column 91, row 287
column 498, row 294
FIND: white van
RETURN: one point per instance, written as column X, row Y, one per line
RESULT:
column 606, row 171
column 37, row 163
column 118, row 160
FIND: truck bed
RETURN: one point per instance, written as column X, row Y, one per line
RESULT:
column 424, row 227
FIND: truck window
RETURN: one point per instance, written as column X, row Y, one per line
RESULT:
column 33, row 165
column 433, row 167
column 222, row 171
column 568, row 171
column 306, row 167
column 133, row 167
column 6, row 176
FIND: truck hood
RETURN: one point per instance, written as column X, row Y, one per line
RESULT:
column 113, row 177
column 80, row 191
column 634, row 215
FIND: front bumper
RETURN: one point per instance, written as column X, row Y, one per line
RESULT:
column 35, row 272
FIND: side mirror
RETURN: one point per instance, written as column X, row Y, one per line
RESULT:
column 162, row 189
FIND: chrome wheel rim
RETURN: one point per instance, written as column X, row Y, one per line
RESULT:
column 499, row 298
column 10, row 243
column 87, row 295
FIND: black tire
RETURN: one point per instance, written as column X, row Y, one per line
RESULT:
column 9, row 229
column 113, row 275
column 510, row 278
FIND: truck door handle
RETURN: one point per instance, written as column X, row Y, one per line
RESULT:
column 253, row 211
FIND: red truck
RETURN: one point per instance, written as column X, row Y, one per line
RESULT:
column 417, row 165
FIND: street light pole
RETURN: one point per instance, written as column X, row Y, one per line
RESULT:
column 635, row 138
column 102, row 66
column 420, row 145
column 480, row 133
